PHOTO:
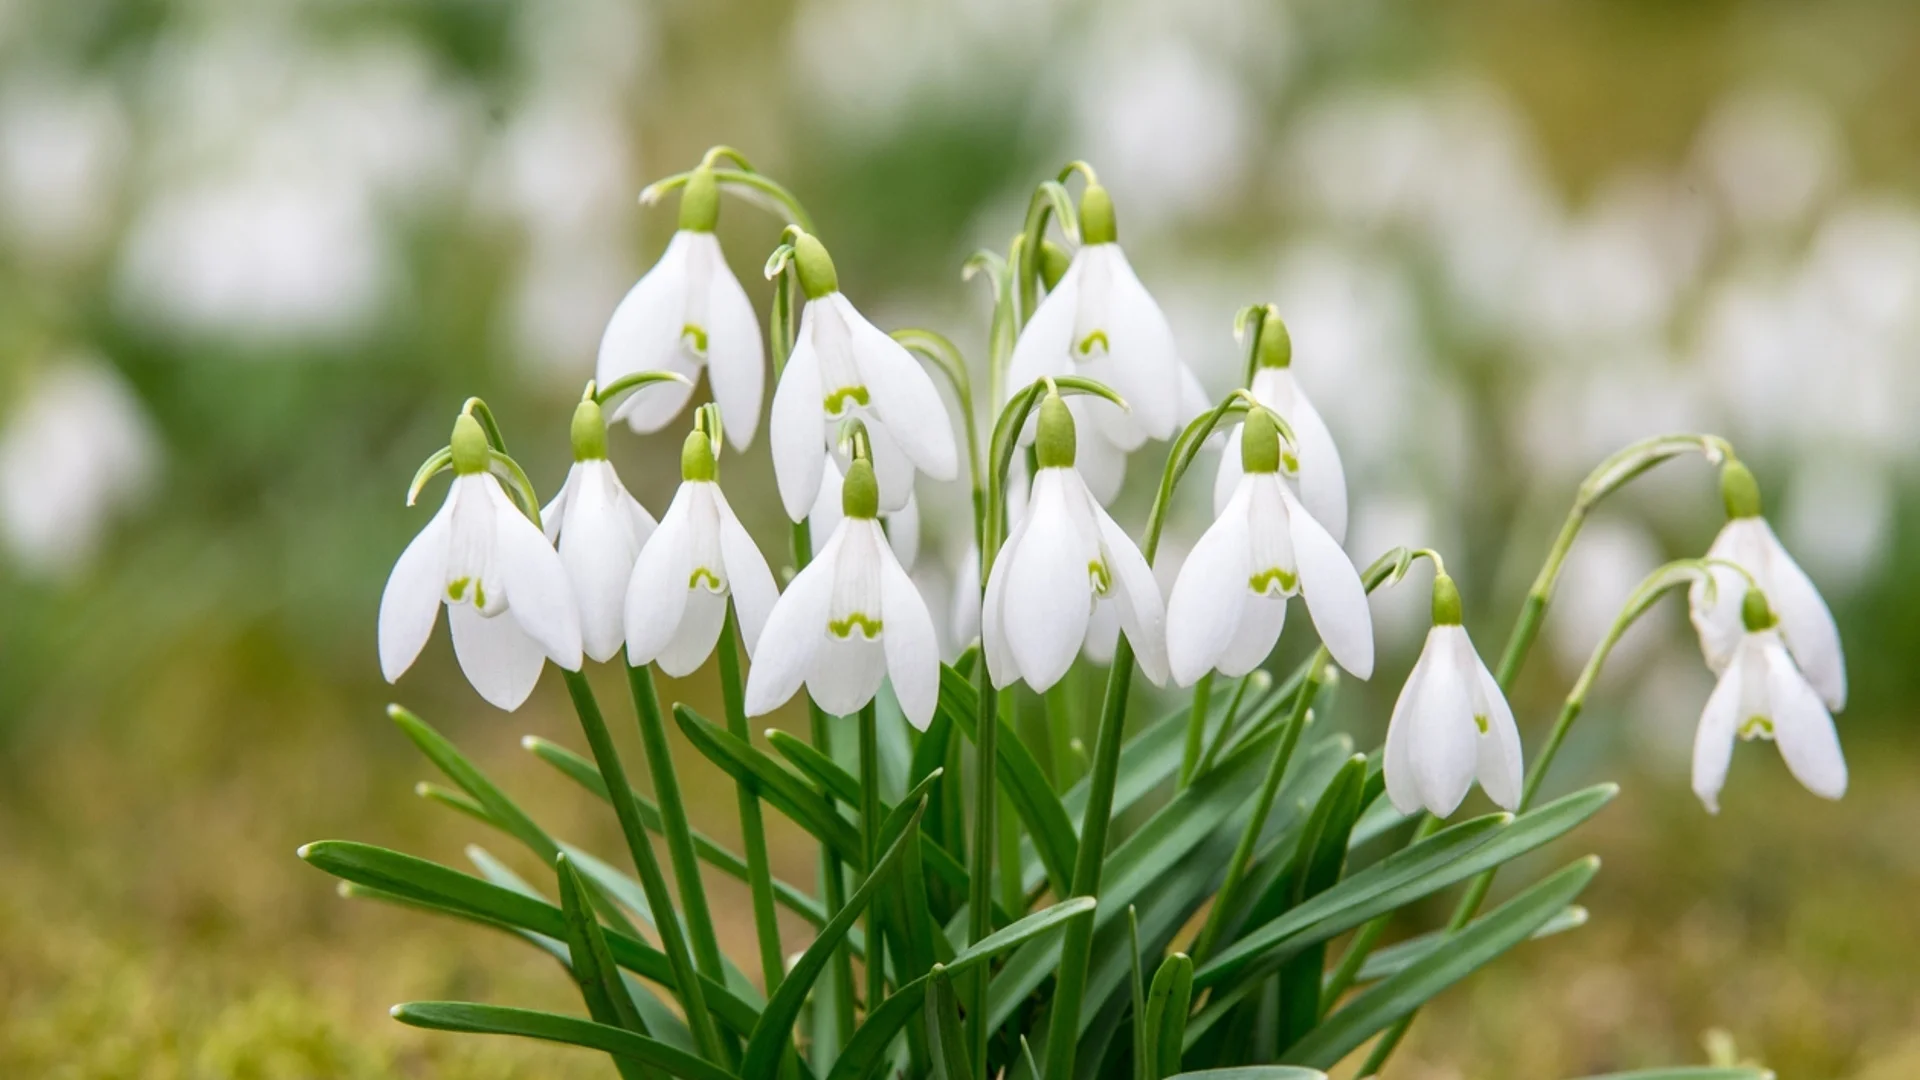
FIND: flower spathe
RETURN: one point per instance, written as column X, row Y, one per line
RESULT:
column 1230, row 600
column 1064, row 558
column 698, row 558
column 1451, row 724
column 1806, row 626
column 843, row 367
column 1317, row 471
column 509, row 605
column 849, row 619
column 1763, row 694
column 687, row 313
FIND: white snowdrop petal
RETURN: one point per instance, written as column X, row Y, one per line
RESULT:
column 1261, row 621
column 1001, row 667
column 700, row 624
column 657, row 593
column 1718, row 623
column 794, row 632
column 1397, row 759
column 1100, row 463
column 748, row 575
column 1048, row 596
column 551, row 513
column 912, row 650
column 795, row 426
column 539, row 595
column 1805, row 622
column 1713, row 739
column 644, row 335
column 846, row 673
column 1442, row 743
column 1204, row 609
column 1142, row 348
column 736, row 357
column 597, row 549
column 498, row 657
column 1499, row 763
column 1136, row 596
column 1323, row 481
column 1336, row 599
column 903, row 396
column 1228, row 477
column 892, row 469
column 1803, row 728
column 411, row 602
column 1043, row 345
column 1103, row 632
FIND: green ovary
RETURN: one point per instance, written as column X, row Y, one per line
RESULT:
column 1098, row 337
column 837, row 401
column 702, row 574
column 844, row 628
column 696, row 337
column 1263, row 582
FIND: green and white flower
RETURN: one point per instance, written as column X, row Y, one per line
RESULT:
column 1451, row 724
column 849, row 619
column 509, row 605
column 1763, row 694
column 1315, row 462
column 676, row 602
column 1230, row 600
column 599, row 528
column 688, row 313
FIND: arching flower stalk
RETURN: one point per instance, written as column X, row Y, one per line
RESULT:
column 1313, row 464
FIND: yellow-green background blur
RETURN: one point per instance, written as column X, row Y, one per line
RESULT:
column 254, row 253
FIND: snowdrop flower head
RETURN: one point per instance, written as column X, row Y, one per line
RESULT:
column 509, row 605
column 1230, row 599
column 902, row 525
column 843, row 367
column 1314, row 464
column 698, row 559
column 600, row 529
column 1762, row 694
column 1806, row 626
column 849, row 619
column 1064, row 559
column 688, row 313
column 1451, row 724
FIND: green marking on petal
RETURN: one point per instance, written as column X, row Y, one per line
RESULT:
column 695, row 337
column 1098, row 337
column 1291, row 462
column 457, row 589
column 1480, row 721
column 1757, row 727
column 1263, row 582
column 1101, row 577
column 836, row 402
column 702, row 574
column 844, row 628
column 480, row 596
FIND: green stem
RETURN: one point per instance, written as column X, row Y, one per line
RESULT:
column 753, row 826
column 1196, row 729
column 1351, row 962
column 1233, row 716
column 1060, row 733
column 653, row 883
column 1262, row 806
column 1012, row 897
column 986, row 799
column 870, row 843
column 673, row 823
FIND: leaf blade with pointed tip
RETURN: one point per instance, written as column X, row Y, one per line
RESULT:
column 473, row 1018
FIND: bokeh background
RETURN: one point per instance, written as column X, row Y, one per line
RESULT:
column 254, row 254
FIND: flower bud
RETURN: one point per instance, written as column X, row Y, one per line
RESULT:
column 1054, row 443
column 1739, row 490
column 696, row 457
column 1755, row 614
column 1276, row 345
column 859, row 491
column 469, row 445
column 700, row 201
column 817, row 275
column 1259, row 443
column 1096, row 216
column 589, row 432
column 1446, row 601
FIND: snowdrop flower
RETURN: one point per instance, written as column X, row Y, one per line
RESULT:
column 1806, row 625
column 600, row 529
column 1451, row 724
column 1315, row 466
column 902, row 525
column 850, row 618
column 1230, row 599
column 1762, row 694
column 698, row 557
column 686, row 313
column 844, row 367
column 1064, row 559
column 509, row 605
column 1100, row 322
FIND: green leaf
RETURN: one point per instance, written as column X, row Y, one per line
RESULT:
column 1395, row 958
column 1512, row 923
column 502, row 810
column 591, row 964
column 1691, row 1072
column 821, row 769
column 1138, row 985
column 499, row 1020
column 1166, row 1020
column 1323, row 854
column 790, row 794
column 773, row 1035
column 946, row 1040
column 1021, row 778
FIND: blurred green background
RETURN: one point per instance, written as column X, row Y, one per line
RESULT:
column 254, row 253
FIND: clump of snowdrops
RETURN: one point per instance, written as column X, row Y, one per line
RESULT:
column 979, row 909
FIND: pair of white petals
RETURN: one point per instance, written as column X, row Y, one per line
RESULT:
column 1065, row 559
column 1763, row 694
column 1805, row 623
column 844, row 367
column 676, row 597
column 1321, row 479
column 510, row 607
column 1450, row 726
column 688, row 313
column 848, row 620
column 1230, row 600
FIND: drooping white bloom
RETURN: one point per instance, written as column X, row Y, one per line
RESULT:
column 1064, row 558
column 844, row 367
column 686, row 313
column 851, row 618
column 600, row 529
column 1806, row 625
column 509, row 604
column 700, row 555
column 1451, row 724
column 1230, row 599
column 902, row 525
column 1762, row 694
column 1321, row 480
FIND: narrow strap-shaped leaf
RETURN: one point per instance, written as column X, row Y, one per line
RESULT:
column 467, row 896
column 773, row 1035
column 1138, row 984
column 790, row 794
column 1395, row 958
column 479, row 1019
column 502, row 810
column 946, row 1040
column 584, row 772
column 1320, row 868
column 816, row 766
column 1166, row 1020
column 592, row 965
column 1021, row 778
column 1374, row 1010
column 455, row 800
